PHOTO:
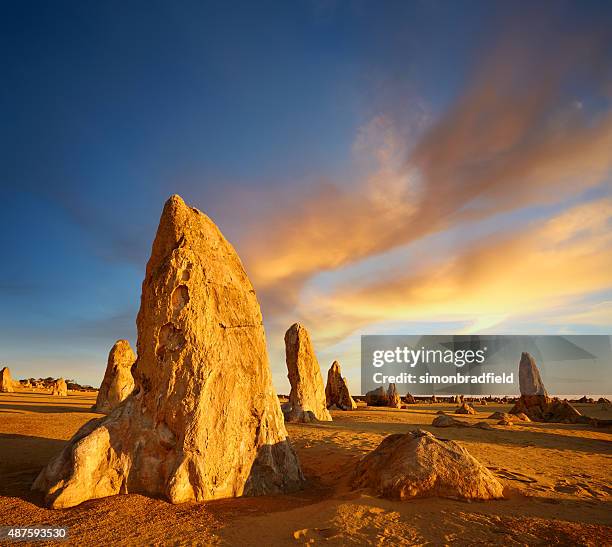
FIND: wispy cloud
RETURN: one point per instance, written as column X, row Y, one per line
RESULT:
column 521, row 133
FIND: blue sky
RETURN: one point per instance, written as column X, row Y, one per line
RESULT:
column 386, row 139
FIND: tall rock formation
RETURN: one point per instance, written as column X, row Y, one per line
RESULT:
column 6, row 382
column 530, row 381
column 204, row 421
column 534, row 400
column 59, row 388
column 118, row 381
column 394, row 400
column 337, row 391
column 307, row 396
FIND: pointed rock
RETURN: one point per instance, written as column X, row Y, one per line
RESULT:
column 534, row 400
column 307, row 396
column 6, row 382
column 118, row 381
column 530, row 381
column 59, row 388
column 337, row 391
column 204, row 421
column 418, row 465
column 395, row 401
column 409, row 399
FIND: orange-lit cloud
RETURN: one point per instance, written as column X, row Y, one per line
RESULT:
column 507, row 276
column 518, row 136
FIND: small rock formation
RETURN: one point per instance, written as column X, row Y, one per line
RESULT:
column 394, row 400
column 505, row 421
column 483, row 425
column 444, row 420
column 59, row 388
column 499, row 416
column 483, row 402
column 465, row 408
column 417, row 465
column 434, row 399
column 377, row 397
column 307, row 397
column 118, row 381
column 204, row 421
column 409, row 399
column 534, row 400
column 521, row 416
column 337, row 391
column 6, row 382
column 603, row 401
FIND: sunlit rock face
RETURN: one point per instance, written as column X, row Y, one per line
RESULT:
column 203, row 421
column 307, row 397
column 418, row 465
column 118, row 381
column 6, row 382
column 59, row 388
column 534, row 401
column 336, row 390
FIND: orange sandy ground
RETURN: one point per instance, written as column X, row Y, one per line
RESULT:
column 558, row 478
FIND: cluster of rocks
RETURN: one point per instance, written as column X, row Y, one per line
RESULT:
column 380, row 397
column 535, row 402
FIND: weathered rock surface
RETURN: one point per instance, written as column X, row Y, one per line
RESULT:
column 337, row 391
column 394, row 400
column 118, row 381
column 6, row 382
column 465, row 408
column 530, row 382
column 377, row 397
column 534, row 401
column 307, row 396
column 203, row 421
column 417, row 465
column 59, row 388
column 409, row 399
column 444, row 420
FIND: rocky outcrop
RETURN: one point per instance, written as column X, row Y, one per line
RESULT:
column 203, row 421
column 377, row 397
column 534, row 401
column 59, row 388
column 393, row 398
column 444, row 420
column 118, row 381
column 307, row 397
column 409, row 399
column 465, row 408
column 530, row 381
column 6, row 382
column 417, row 465
column 336, row 390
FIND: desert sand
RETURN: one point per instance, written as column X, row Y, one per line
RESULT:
column 556, row 477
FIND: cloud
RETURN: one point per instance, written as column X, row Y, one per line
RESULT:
column 513, row 138
column 505, row 276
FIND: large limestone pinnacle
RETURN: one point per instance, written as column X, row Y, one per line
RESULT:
column 203, row 421
column 118, row 382
column 307, row 396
